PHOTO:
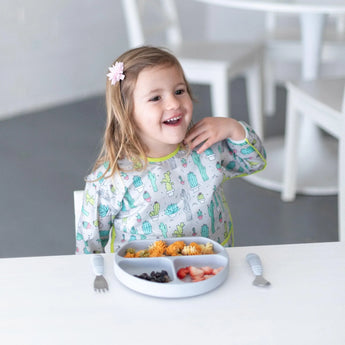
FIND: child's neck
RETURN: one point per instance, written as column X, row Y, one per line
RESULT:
column 163, row 151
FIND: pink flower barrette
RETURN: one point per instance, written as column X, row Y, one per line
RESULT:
column 116, row 73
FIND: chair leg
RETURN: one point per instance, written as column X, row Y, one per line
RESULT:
column 341, row 193
column 291, row 151
column 254, row 97
column 269, row 88
column 220, row 97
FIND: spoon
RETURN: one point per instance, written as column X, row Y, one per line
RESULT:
column 256, row 266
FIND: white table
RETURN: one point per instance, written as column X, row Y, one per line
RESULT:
column 324, row 182
column 50, row 300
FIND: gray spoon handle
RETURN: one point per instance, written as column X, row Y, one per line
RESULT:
column 255, row 263
column 256, row 266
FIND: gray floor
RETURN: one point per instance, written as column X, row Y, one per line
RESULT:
column 45, row 156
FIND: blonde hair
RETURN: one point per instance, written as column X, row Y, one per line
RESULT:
column 120, row 138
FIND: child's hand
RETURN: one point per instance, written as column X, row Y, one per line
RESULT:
column 210, row 130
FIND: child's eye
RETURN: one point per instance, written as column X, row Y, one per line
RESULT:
column 155, row 99
column 179, row 92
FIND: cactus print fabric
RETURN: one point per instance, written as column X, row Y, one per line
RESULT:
column 178, row 195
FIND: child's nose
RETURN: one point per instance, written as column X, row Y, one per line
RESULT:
column 172, row 102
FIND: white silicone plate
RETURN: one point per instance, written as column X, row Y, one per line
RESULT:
column 126, row 268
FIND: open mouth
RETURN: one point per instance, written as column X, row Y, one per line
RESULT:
column 173, row 121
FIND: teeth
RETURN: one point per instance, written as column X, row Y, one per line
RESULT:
column 173, row 119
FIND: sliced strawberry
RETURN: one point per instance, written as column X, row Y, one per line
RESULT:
column 195, row 272
column 217, row 270
column 207, row 270
column 182, row 272
column 198, row 278
column 208, row 276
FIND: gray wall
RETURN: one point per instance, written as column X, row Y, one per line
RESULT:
column 58, row 51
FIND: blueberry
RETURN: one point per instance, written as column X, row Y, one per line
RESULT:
column 159, row 277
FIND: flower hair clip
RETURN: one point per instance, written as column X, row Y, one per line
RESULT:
column 116, row 73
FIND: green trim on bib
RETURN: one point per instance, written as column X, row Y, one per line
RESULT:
column 112, row 241
column 162, row 159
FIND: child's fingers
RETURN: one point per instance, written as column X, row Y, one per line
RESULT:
column 200, row 129
column 196, row 141
column 205, row 140
column 206, row 132
column 195, row 131
column 206, row 144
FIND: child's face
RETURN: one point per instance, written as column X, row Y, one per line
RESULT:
column 162, row 109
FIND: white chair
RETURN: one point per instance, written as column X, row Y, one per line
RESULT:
column 323, row 103
column 283, row 52
column 78, row 202
column 207, row 63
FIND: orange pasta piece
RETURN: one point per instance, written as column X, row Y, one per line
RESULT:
column 157, row 249
column 142, row 253
column 175, row 248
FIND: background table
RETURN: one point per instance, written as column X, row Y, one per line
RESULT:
column 317, row 173
column 50, row 300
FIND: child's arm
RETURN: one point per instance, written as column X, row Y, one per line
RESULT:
column 91, row 223
column 96, row 218
column 213, row 129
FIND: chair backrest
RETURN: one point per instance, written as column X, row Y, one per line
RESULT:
column 150, row 20
column 78, row 201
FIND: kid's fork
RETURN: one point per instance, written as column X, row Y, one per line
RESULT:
column 100, row 284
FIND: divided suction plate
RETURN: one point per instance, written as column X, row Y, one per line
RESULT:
column 126, row 268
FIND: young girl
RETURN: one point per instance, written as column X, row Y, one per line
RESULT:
column 157, row 176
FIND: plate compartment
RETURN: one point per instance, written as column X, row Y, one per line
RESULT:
column 126, row 268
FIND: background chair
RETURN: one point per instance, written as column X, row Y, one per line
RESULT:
column 283, row 52
column 210, row 63
column 78, row 201
column 323, row 102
